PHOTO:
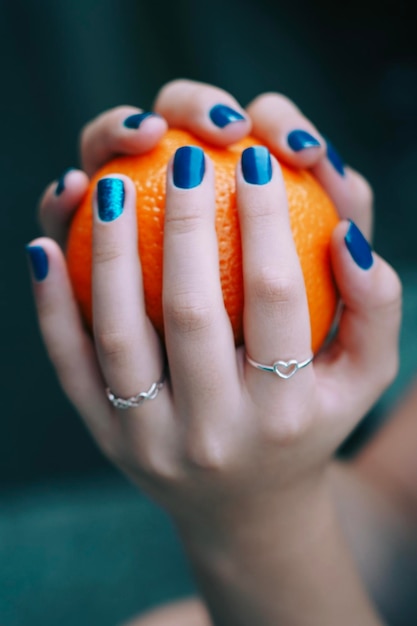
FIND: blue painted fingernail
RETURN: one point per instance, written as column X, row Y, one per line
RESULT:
column 60, row 186
column 301, row 139
column 110, row 198
column 189, row 167
column 359, row 248
column 335, row 159
column 256, row 165
column 135, row 120
column 38, row 261
column 222, row 115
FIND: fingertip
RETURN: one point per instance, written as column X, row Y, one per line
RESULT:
column 358, row 246
column 279, row 124
column 140, row 132
column 210, row 113
column 45, row 258
column 38, row 261
column 364, row 279
column 55, row 210
column 351, row 252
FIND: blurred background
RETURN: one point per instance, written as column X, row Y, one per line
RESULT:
column 77, row 544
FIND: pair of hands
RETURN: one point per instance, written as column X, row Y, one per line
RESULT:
column 220, row 436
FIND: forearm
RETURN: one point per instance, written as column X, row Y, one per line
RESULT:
column 287, row 569
column 381, row 538
column 390, row 462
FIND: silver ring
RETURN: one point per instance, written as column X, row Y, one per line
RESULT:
column 283, row 369
column 135, row 401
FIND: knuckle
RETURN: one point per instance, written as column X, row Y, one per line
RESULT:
column 285, row 431
column 274, row 99
column 256, row 211
column 172, row 86
column 205, row 452
column 99, row 123
column 364, row 192
column 108, row 253
column 273, row 289
column 182, row 222
column 188, row 313
column 388, row 295
column 156, row 466
column 113, row 343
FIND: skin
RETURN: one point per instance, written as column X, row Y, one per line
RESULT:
column 194, row 448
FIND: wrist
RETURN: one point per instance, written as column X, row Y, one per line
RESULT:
column 244, row 526
column 276, row 562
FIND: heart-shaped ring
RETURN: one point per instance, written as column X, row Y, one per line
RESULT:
column 282, row 369
column 286, row 369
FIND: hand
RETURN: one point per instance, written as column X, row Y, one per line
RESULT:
column 245, row 407
column 195, row 446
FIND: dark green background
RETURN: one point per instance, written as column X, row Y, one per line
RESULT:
column 353, row 72
column 352, row 69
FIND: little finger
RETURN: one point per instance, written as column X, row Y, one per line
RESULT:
column 58, row 203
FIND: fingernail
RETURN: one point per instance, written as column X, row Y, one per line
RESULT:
column 110, row 198
column 301, row 139
column 38, row 261
column 135, row 120
column 335, row 159
column 359, row 248
column 189, row 167
column 222, row 115
column 256, row 165
column 60, row 186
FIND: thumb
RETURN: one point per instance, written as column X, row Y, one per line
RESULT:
column 364, row 355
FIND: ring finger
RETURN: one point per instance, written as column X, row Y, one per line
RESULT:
column 127, row 345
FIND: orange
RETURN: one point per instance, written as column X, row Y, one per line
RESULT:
column 313, row 218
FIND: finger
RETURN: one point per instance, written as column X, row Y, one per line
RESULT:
column 209, row 112
column 69, row 347
column 363, row 359
column 199, row 337
column 58, row 203
column 281, row 126
column 127, row 346
column 276, row 318
column 350, row 192
column 123, row 130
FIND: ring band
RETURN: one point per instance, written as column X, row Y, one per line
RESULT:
column 134, row 401
column 283, row 369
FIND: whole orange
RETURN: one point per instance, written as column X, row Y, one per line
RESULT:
column 312, row 214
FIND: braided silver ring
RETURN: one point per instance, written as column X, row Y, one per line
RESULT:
column 134, row 401
column 283, row 369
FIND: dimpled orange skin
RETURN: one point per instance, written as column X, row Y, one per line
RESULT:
column 312, row 215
